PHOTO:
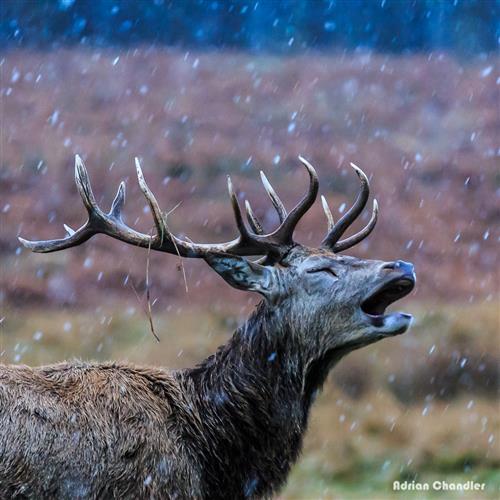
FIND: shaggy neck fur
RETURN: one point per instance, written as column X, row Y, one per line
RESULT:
column 257, row 390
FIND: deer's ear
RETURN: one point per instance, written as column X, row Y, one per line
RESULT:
column 242, row 273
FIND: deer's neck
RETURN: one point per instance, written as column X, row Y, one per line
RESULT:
column 255, row 397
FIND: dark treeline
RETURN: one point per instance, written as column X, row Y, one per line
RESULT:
column 464, row 26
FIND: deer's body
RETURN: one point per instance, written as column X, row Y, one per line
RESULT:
column 88, row 431
column 231, row 427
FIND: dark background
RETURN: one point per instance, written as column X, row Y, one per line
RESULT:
column 287, row 26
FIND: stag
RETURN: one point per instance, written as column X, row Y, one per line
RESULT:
column 232, row 426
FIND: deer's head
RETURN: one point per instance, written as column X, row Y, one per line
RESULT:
column 333, row 301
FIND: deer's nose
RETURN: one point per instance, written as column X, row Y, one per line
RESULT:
column 400, row 265
column 405, row 267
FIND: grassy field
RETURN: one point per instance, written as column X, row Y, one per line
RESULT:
column 370, row 426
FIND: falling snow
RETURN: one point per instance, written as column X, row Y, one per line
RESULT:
column 414, row 105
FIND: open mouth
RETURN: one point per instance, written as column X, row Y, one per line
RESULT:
column 376, row 303
column 396, row 289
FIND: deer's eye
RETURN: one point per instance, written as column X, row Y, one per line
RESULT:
column 328, row 270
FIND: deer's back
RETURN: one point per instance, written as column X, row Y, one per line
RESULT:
column 80, row 430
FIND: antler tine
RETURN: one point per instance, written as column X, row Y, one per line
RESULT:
column 236, row 209
column 118, row 202
column 275, row 199
column 159, row 219
column 72, row 240
column 340, row 227
column 69, row 229
column 255, row 224
column 361, row 235
column 328, row 213
column 252, row 219
column 285, row 232
column 82, row 181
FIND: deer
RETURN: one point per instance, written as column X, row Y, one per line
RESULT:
column 232, row 426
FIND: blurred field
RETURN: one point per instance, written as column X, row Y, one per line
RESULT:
column 421, row 406
column 426, row 129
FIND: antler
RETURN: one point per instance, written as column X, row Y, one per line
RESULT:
column 335, row 231
column 247, row 243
